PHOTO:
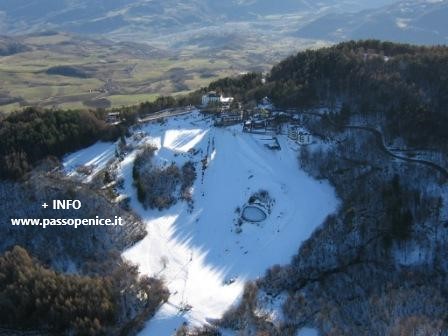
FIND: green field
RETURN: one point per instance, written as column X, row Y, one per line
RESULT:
column 122, row 75
column 117, row 73
column 126, row 100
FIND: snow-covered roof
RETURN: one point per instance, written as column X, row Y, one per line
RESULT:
column 226, row 99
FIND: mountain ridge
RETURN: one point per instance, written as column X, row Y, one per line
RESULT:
column 100, row 16
column 416, row 21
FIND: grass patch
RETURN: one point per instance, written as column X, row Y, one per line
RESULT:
column 125, row 100
column 118, row 74
column 10, row 108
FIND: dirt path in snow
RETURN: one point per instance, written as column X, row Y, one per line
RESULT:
column 380, row 143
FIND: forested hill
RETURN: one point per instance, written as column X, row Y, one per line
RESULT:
column 399, row 87
column 33, row 134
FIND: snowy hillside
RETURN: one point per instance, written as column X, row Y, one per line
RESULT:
column 203, row 255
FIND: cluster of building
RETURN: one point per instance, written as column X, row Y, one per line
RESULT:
column 229, row 118
column 267, row 119
column 300, row 135
column 262, row 122
column 212, row 98
column 262, row 119
column 113, row 118
column 224, row 115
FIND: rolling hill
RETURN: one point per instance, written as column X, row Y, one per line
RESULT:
column 102, row 16
column 73, row 71
column 122, row 52
column 417, row 21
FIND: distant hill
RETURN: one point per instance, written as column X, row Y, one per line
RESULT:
column 415, row 21
column 10, row 46
column 107, row 16
column 73, row 71
column 167, row 22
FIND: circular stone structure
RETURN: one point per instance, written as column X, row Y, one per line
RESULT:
column 253, row 214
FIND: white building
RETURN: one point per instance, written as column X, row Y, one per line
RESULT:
column 266, row 104
column 304, row 138
column 113, row 118
column 213, row 97
column 226, row 100
column 300, row 135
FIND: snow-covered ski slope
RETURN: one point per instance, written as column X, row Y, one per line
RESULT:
column 202, row 258
column 96, row 157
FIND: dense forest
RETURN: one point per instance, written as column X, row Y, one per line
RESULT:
column 33, row 134
column 241, row 87
column 65, row 281
column 33, row 297
column 400, row 87
column 31, row 294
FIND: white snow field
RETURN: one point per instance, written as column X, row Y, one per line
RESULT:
column 96, row 156
column 203, row 261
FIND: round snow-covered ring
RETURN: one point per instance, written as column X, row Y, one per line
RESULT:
column 253, row 214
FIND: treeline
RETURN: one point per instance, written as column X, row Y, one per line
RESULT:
column 240, row 87
column 31, row 294
column 166, row 102
column 130, row 114
column 403, row 87
column 34, row 134
column 33, row 297
column 397, row 213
